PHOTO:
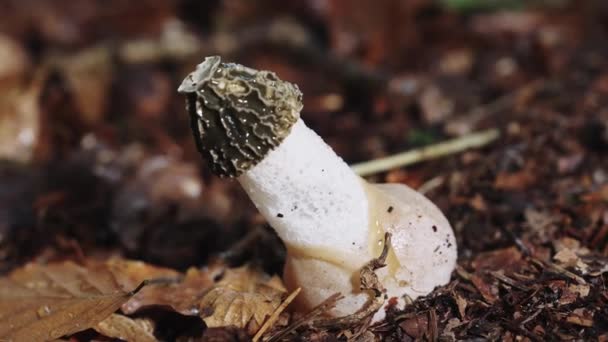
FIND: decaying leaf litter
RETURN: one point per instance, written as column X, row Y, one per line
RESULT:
column 105, row 170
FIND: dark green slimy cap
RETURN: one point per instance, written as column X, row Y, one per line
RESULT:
column 238, row 114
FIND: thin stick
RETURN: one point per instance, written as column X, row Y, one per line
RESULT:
column 275, row 315
column 445, row 148
column 316, row 311
column 369, row 282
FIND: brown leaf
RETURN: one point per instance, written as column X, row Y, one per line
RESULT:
column 478, row 203
column 573, row 292
column 127, row 329
column 580, row 317
column 130, row 273
column 448, row 333
column 600, row 195
column 515, row 181
column 20, row 122
column 539, row 221
column 415, row 327
column 276, row 315
column 566, row 257
column 89, row 74
column 15, row 62
column 182, row 296
column 561, row 287
column 45, row 302
column 487, row 291
column 581, row 290
column 243, row 295
column 506, row 259
column 307, row 318
column 462, row 305
column 569, row 258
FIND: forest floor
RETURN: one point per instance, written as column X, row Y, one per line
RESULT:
column 100, row 169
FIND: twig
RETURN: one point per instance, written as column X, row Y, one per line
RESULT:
column 428, row 152
column 238, row 249
column 139, row 287
column 430, row 185
column 519, row 330
column 369, row 282
column 316, row 311
column 432, row 326
column 275, row 315
column 554, row 268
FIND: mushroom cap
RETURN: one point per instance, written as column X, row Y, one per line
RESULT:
column 238, row 114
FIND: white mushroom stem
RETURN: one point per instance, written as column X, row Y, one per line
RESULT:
column 312, row 198
column 333, row 222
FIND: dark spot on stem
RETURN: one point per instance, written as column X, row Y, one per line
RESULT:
column 279, row 215
column 390, row 209
column 435, row 229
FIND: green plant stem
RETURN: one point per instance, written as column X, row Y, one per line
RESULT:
column 445, row 148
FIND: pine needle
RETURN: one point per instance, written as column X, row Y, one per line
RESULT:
column 275, row 315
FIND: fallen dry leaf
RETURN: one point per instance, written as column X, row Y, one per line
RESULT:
column 20, row 122
column 448, row 333
column 600, row 195
column 45, row 302
column 272, row 320
column 572, row 293
column 538, row 221
column 487, row 291
column 515, row 181
column 127, row 329
column 130, row 273
column 415, row 327
column 15, row 60
column 89, row 74
column 506, row 259
column 478, row 203
column 306, row 319
column 243, row 295
column 462, row 305
column 580, row 317
column 568, row 258
column 569, row 293
column 182, row 296
column 580, row 290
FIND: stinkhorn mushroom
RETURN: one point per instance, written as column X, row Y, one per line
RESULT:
column 247, row 125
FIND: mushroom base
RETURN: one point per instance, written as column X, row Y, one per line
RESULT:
column 423, row 255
